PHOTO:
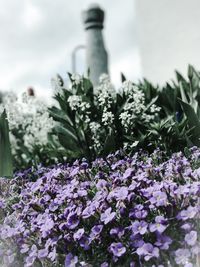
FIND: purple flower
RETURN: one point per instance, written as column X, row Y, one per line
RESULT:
column 117, row 249
column 89, row 211
column 141, row 214
column 30, row 261
column 101, row 184
column 42, row 253
column 128, row 173
column 83, row 210
column 117, row 164
column 148, row 251
column 159, row 198
column 186, row 226
column 182, row 255
column 189, row 213
column 70, row 260
column 139, row 227
column 84, row 243
column 188, row 264
column 133, row 185
column 163, row 241
column 78, row 234
column 47, row 226
column 53, row 206
column 117, row 231
column 32, row 256
column 121, row 193
column 191, row 238
column 96, row 230
column 108, row 216
column 72, row 220
column 74, row 172
column 136, row 241
column 2, row 204
column 36, row 185
column 52, row 255
column 138, row 212
column 159, row 225
column 84, row 165
column 24, row 248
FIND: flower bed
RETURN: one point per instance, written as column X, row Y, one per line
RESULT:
column 122, row 211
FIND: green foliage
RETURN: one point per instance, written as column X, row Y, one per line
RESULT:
column 6, row 167
column 131, row 109
column 91, row 122
column 190, row 100
column 174, row 125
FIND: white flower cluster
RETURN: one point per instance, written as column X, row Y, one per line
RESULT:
column 135, row 107
column 29, row 116
column 154, row 109
column 95, row 128
column 105, row 99
column 107, row 117
column 74, row 101
column 105, row 91
column 83, row 108
column 105, row 95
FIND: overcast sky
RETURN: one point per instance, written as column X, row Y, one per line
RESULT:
column 38, row 36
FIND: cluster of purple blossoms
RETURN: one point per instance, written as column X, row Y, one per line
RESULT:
column 140, row 210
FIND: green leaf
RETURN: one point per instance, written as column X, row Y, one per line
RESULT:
column 123, row 77
column 66, row 132
column 68, row 143
column 183, row 95
column 151, row 103
column 193, row 121
column 6, row 166
column 190, row 71
column 179, row 77
column 109, row 144
column 88, row 88
column 60, row 115
column 60, row 80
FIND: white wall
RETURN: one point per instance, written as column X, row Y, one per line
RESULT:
column 169, row 36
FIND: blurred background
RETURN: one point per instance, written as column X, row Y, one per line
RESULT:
column 169, row 37
column 143, row 38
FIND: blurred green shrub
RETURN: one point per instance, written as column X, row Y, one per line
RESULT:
column 6, row 167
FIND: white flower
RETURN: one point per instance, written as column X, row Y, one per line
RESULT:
column 105, row 85
column 154, row 108
column 29, row 116
column 104, row 99
column 127, row 86
column 95, row 128
column 135, row 109
column 107, row 117
column 125, row 118
column 84, row 106
column 76, row 78
column 74, row 101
